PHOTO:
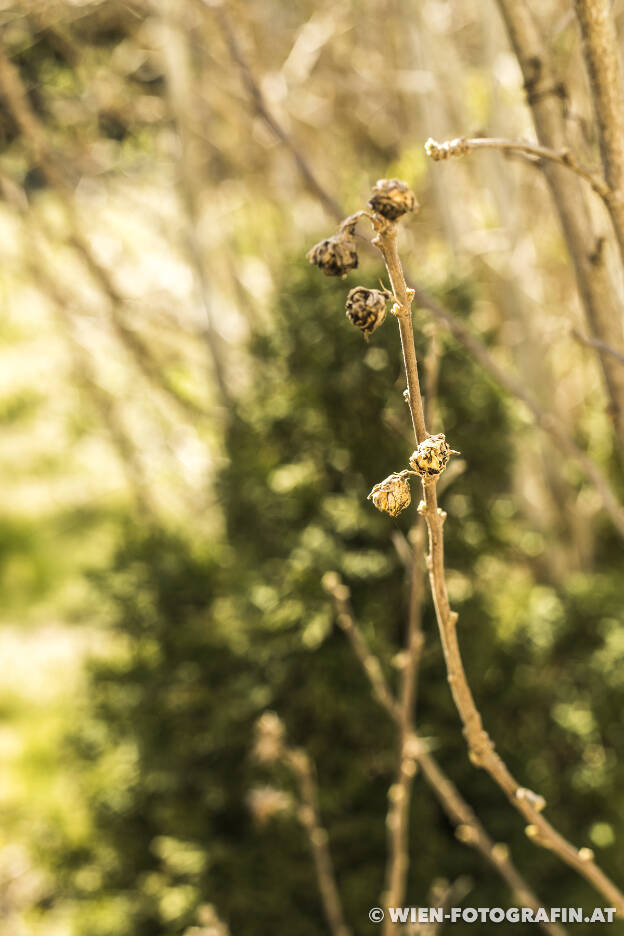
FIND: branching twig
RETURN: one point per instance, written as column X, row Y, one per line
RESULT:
column 564, row 157
column 597, row 289
column 309, row 817
column 271, row 747
column 34, row 134
column 468, row 827
column 599, row 345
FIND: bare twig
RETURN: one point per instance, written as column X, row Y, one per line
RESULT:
column 597, row 290
column 257, row 97
column 432, row 372
column 179, row 82
column 271, row 747
column 544, row 420
column 35, row 137
column 602, row 57
column 400, row 792
column 128, row 337
column 442, row 896
column 103, row 402
column 468, row 827
column 481, row 747
column 309, row 816
column 599, row 345
column 564, row 157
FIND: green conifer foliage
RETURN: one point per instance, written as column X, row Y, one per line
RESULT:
column 207, row 640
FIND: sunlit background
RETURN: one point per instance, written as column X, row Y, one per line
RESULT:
column 189, row 430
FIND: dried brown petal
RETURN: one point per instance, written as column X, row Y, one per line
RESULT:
column 431, row 457
column 392, row 495
column 366, row 308
column 335, row 255
column 392, row 198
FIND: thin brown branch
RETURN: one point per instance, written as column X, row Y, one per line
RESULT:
column 14, row 92
column 397, row 821
column 596, row 286
column 178, row 70
column 103, row 402
column 599, row 345
column 481, row 747
column 602, row 58
column 468, row 827
column 130, row 339
column 564, row 157
column 257, row 98
column 443, row 896
column 309, row 816
column 546, row 421
column 432, row 373
column 36, row 140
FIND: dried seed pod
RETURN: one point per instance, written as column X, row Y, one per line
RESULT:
column 366, row 308
column 392, row 198
column 431, row 457
column 392, row 495
column 335, row 255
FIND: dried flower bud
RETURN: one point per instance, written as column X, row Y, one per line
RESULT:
column 431, row 457
column 392, row 495
column 392, row 198
column 500, row 852
column 270, row 736
column 438, row 151
column 534, row 799
column 586, row 854
column 366, row 308
column 466, row 833
column 335, row 255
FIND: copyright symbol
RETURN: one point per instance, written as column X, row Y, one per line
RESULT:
column 375, row 915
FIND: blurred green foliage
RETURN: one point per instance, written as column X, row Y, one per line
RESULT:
column 203, row 639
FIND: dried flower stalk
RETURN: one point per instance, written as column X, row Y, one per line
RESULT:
column 481, row 747
column 595, row 288
column 594, row 283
